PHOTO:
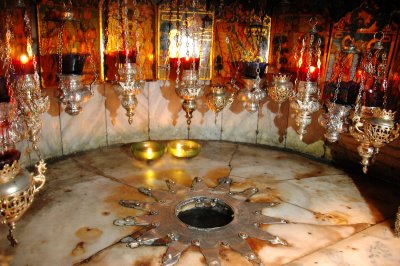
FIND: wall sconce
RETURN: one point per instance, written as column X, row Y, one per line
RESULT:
column 373, row 127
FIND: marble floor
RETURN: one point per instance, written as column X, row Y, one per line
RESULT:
column 332, row 217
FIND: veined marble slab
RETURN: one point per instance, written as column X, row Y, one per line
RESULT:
column 373, row 246
column 167, row 119
column 118, row 128
column 269, row 164
column 328, row 213
column 86, row 130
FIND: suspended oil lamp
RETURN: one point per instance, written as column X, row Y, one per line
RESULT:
column 70, row 67
column 189, row 88
column 373, row 127
column 303, row 102
column 252, row 97
column 184, row 148
column 219, row 98
column 24, row 85
column 129, row 80
column 281, row 88
column 148, row 150
column 335, row 119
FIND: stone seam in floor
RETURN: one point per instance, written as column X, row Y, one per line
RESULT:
column 333, row 244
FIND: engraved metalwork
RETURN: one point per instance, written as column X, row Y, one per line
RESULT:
column 281, row 88
column 334, row 120
column 190, row 89
column 17, row 190
column 164, row 224
column 373, row 127
column 74, row 93
column 128, row 87
column 219, row 98
column 305, row 105
column 303, row 102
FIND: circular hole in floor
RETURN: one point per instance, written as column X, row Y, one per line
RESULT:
column 204, row 212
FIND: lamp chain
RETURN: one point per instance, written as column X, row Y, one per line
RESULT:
column 339, row 81
column 177, row 41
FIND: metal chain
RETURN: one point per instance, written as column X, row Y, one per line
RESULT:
column 8, row 60
column 319, row 67
column 117, row 59
column 360, row 92
column 169, row 42
column 138, row 54
column 125, row 33
column 60, row 48
column 194, row 35
column 300, row 60
column 177, row 38
column 258, row 79
column 310, row 55
column 339, row 81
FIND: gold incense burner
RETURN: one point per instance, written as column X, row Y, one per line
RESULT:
column 17, row 191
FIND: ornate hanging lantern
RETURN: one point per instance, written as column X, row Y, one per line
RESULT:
column 373, row 127
column 281, row 88
column 129, row 75
column 190, row 88
column 335, row 119
column 252, row 97
column 303, row 101
column 24, row 85
column 17, row 191
column 219, row 98
column 70, row 66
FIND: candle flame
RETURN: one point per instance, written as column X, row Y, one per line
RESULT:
column 24, row 59
column 312, row 69
column 149, row 153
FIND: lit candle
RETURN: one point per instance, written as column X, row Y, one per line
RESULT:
column 149, row 153
column 179, row 149
column 184, row 148
column 23, row 65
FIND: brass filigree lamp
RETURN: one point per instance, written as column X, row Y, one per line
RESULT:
column 373, row 127
column 303, row 102
column 219, row 98
column 17, row 191
column 281, row 88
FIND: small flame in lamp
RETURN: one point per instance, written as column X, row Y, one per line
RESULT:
column 24, row 59
column 312, row 69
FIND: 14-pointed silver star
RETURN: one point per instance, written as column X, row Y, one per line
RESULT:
column 161, row 225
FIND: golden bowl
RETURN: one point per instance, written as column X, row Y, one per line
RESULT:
column 147, row 150
column 184, row 148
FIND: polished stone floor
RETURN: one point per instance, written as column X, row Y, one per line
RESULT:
column 333, row 218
